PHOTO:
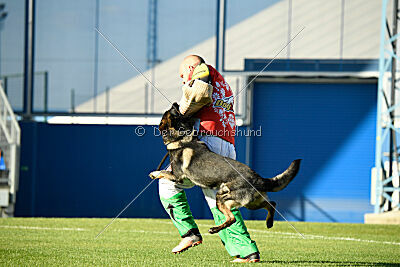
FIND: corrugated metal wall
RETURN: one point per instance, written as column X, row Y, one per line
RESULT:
column 331, row 126
column 86, row 171
column 93, row 171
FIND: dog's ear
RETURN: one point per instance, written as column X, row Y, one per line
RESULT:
column 164, row 122
column 175, row 110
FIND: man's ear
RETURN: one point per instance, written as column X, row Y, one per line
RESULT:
column 175, row 109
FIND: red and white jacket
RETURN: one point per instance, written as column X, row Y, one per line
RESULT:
column 218, row 118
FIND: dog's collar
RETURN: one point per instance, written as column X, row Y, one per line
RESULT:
column 180, row 143
column 174, row 145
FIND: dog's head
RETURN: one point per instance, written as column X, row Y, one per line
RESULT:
column 174, row 126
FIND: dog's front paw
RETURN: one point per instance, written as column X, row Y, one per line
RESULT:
column 156, row 175
column 213, row 230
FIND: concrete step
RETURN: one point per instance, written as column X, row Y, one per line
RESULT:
column 389, row 217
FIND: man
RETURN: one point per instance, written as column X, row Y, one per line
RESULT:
column 209, row 99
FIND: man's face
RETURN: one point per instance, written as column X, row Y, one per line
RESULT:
column 185, row 72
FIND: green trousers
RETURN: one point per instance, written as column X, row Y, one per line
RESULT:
column 235, row 238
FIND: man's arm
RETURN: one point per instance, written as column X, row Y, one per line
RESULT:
column 194, row 96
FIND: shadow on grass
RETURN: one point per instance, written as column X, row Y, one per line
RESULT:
column 338, row 263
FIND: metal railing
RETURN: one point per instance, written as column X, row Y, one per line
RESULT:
column 10, row 136
column 14, row 89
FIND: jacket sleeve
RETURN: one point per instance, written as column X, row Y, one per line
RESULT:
column 195, row 96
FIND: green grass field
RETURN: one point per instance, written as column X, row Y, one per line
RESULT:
column 148, row 242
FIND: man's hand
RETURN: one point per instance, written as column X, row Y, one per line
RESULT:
column 156, row 175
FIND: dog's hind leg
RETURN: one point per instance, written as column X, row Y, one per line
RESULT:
column 260, row 203
column 225, row 207
column 270, row 207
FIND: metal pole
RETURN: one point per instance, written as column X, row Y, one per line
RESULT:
column 379, row 139
column 45, row 97
column 236, row 99
column 3, row 16
column 392, row 96
column 73, row 100
column 341, row 30
column 29, row 57
column 289, row 28
column 146, row 98
column 5, row 84
column 96, row 57
column 152, row 47
column 220, row 35
column 153, row 78
column 107, row 99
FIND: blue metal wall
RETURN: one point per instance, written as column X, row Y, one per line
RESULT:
column 332, row 128
column 93, row 171
column 86, row 170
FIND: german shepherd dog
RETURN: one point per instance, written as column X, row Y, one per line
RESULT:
column 237, row 185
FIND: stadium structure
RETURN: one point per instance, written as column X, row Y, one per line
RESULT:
column 327, row 95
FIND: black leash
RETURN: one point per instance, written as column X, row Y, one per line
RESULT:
column 162, row 162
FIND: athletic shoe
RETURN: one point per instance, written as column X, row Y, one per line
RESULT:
column 254, row 257
column 186, row 243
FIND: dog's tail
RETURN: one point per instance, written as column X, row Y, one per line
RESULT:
column 280, row 181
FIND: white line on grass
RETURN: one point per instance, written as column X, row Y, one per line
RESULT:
column 293, row 235
column 41, row 228
column 281, row 234
column 77, row 229
column 144, row 231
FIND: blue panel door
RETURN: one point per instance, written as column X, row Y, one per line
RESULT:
column 332, row 128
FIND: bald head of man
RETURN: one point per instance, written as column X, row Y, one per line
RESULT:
column 187, row 66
